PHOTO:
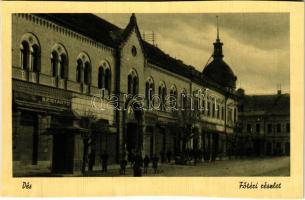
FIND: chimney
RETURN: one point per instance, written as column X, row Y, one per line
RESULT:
column 279, row 92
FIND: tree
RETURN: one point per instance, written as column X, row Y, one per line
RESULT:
column 88, row 122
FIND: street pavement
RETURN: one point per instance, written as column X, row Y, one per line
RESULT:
column 277, row 166
column 273, row 166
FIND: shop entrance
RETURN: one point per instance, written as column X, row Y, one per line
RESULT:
column 133, row 139
column 63, row 153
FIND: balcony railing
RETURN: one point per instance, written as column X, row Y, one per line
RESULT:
column 33, row 77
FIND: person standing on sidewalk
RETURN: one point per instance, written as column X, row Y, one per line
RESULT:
column 137, row 167
column 155, row 163
column 146, row 163
column 91, row 159
column 104, row 159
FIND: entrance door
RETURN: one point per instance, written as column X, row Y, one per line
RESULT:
column 132, row 137
column 63, row 153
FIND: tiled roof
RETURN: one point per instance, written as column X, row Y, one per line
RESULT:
column 86, row 24
column 271, row 104
column 103, row 31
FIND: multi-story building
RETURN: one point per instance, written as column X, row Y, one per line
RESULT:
column 74, row 80
column 264, row 124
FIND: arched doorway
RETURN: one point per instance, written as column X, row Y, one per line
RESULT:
column 134, row 128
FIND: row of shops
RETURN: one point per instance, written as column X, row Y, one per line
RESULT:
column 56, row 130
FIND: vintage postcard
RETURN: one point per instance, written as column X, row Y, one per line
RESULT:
column 176, row 98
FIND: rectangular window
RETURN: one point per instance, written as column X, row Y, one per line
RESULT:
column 288, row 128
column 269, row 128
column 213, row 110
column 203, row 107
column 258, row 128
column 209, row 108
column 278, row 128
column 248, row 128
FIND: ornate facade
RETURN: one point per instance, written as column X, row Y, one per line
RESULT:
column 67, row 69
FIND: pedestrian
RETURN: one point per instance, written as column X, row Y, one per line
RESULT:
column 146, row 163
column 169, row 156
column 91, row 159
column 104, row 159
column 131, row 158
column 123, row 165
column 155, row 163
column 137, row 166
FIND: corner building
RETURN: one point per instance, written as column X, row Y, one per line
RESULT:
column 65, row 68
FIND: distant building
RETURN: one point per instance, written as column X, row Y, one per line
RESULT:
column 264, row 124
column 61, row 62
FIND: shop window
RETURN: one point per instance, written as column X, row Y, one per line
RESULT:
column 257, row 128
column 269, row 128
column 278, row 128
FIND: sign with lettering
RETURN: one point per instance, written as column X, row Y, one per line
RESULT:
column 21, row 96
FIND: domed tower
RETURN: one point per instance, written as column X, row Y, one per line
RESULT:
column 218, row 70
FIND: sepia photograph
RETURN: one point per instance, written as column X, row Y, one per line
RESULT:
column 150, row 94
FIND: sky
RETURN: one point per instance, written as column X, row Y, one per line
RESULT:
column 256, row 45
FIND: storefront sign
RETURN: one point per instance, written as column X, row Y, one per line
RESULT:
column 44, row 100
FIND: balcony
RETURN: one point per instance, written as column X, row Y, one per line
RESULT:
column 20, row 74
column 61, row 83
column 33, row 77
column 85, row 88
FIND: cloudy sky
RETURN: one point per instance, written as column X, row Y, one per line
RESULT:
column 256, row 45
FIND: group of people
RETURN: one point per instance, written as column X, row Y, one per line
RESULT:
column 137, row 162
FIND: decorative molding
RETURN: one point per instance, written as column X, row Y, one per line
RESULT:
column 65, row 31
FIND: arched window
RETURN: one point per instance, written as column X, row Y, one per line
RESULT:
column 79, row 71
column 133, row 83
column 149, row 91
column 183, row 99
column 35, row 58
column 30, row 53
column 107, row 79
column 87, row 74
column 104, row 76
column 130, row 84
column 25, row 55
column 173, row 97
column 162, row 95
column 59, row 61
column 83, row 69
column 63, row 66
column 54, row 63
column 100, row 77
